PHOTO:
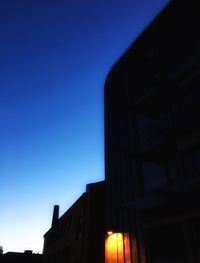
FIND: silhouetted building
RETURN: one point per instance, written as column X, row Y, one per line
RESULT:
column 78, row 235
column 152, row 143
column 18, row 257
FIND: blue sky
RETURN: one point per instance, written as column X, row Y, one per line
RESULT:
column 54, row 58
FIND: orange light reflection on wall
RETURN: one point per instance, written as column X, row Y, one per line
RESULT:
column 117, row 248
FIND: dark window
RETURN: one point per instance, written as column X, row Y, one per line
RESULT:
column 80, row 220
column 79, row 227
column 197, row 160
column 152, row 127
column 62, row 229
column 172, row 169
column 191, row 162
column 69, row 225
column 186, row 111
column 144, row 130
column 154, row 176
column 188, row 164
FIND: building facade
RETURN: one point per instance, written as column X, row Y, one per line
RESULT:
column 78, row 235
column 152, row 143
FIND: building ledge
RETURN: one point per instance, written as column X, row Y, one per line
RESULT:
column 173, row 194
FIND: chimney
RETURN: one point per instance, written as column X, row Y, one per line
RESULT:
column 55, row 215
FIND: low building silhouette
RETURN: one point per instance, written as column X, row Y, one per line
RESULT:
column 78, row 235
column 19, row 257
column 152, row 143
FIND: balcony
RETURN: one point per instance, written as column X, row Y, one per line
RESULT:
column 171, row 195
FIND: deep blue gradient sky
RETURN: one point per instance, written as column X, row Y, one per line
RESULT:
column 54, row 57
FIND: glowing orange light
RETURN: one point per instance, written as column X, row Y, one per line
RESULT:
column 117, row 248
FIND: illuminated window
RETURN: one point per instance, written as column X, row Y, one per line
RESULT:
column 117, row 248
